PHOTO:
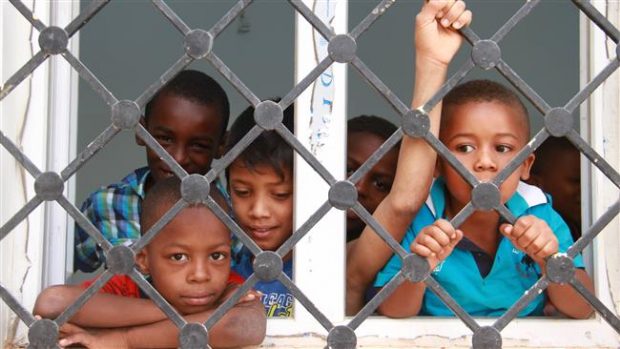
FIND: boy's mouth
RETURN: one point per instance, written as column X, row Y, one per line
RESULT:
column 198, row 299
column 261, row 233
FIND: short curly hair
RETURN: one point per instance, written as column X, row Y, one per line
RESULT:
column 483, row 91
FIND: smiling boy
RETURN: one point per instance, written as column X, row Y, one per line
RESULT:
column 188, row 118
column 260, row 182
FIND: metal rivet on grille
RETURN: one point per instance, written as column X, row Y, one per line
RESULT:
column 120, row 260
column 53, row 40
column 43, row 333
column 267, row 265
column 49, row 186
column 342, row 195
column 416, row 123
column 195, row 188
column 268, row 115
column 486, row 54
column 193, row 336
column 560, row 269
column 415, row 268
column 341, row 337
column 342, row 48
column 125, row 114
column 487, row 337
column 485, row 196
column 558, row 122
column 198, row 43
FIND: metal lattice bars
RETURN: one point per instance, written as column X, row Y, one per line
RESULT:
column 485, row 54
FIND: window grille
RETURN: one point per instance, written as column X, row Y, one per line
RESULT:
column 486, row 54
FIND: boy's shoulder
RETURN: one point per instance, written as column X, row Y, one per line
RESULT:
column 527, row 197
column 132, row 184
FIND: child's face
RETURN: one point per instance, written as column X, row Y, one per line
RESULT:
column 263, row 203
column 377, row 182
column 484, row 136
column 189, row 260
column 564, row 184
column 189, row 131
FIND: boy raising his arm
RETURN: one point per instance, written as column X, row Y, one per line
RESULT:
column 486, row 265
column 436, row 43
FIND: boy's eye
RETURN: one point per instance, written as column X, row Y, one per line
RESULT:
column 351, row 169
column 464, row 148
column 502, row 148
column 282, row 196
column 201, row 146
column 179, row 257
column 218, row 256
column 240, row 192
column 382, row 185
column 163, row 138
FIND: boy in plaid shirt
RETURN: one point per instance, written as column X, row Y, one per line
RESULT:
column 188, row 117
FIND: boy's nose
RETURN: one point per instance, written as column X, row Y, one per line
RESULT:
column 259, row 208
column 485, row 162
column 199, row 272
column 362, row 187
column 180, row 155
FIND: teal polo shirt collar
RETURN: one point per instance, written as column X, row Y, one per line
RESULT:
column 526, row 196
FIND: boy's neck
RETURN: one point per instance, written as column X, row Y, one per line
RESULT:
column 482, row 228
column 148, row 183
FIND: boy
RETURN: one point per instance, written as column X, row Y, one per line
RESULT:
column 365, row 134
column 188, row 117
column 260, row 183
column 557, row 172
column 436, row 42
column 484, row 125
column 188, row 265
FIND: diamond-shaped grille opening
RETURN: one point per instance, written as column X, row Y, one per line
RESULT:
column 109, row 53
column 245, row 46
column 549, row 46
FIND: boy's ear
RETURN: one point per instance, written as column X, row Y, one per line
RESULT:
column 527, row 167
column 142, row 262
column 437, row 170
column 222, row 148
column 139, row 140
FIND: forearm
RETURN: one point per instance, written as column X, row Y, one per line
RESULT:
column 414, row 174
column 568, row 301
column 369, row 253
column 405, row 301
column 101, row 311
column 244, row 324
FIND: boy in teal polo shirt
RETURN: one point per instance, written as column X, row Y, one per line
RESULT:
column 485, row 265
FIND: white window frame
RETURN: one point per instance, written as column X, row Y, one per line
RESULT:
column 319, row 258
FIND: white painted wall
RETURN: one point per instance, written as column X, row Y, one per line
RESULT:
column 23, row 119
column 39, row 117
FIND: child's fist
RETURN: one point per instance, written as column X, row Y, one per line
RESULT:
column 436, row 242
column 436, row 25
column 533, row 236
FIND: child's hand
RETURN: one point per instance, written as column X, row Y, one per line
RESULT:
column 436, row 38
column 533, row 236
column 250, row 296
column 436, row 242
column 71, row 335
